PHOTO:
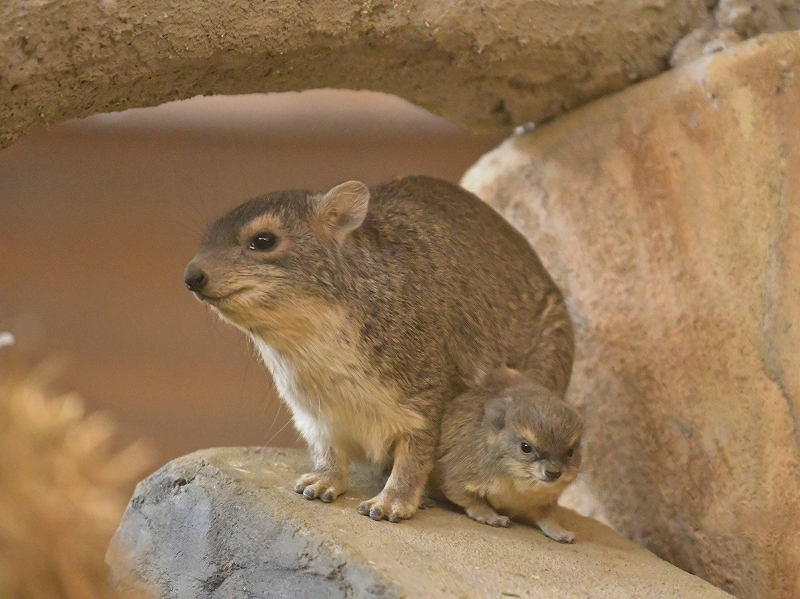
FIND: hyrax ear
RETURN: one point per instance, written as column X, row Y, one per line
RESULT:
column 495, row 411
column 502, row 378
column 342, row 209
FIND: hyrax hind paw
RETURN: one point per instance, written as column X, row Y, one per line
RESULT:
column 389, row 505
column 426, row 503
column 319, row 485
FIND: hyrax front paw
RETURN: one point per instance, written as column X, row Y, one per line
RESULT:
column 486, row 515
column 389, row 505
column 319, row 485
column 553, row 530
column 564, row 536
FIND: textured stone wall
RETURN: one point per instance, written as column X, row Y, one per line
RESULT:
column 489, row 64
column 670, row 214
column 732, row 21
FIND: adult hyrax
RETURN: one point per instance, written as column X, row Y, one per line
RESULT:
column 512, row 446
column 372, row 308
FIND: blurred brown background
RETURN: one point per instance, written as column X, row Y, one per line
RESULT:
column 99, row 217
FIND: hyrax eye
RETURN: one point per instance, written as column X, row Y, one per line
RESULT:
column 526, row 448
column 263, row 242
column 570, row 452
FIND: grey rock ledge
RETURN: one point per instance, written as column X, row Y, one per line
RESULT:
column 226, row 523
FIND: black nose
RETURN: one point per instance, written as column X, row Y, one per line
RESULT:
column 195, row 278
column 552, row 474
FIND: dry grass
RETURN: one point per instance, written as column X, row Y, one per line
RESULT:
column 63, row 488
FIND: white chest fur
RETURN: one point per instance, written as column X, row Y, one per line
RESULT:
column 335, row 398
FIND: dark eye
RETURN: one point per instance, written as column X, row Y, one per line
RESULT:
column 263, row 242
column 570, row 452
column 526, row 448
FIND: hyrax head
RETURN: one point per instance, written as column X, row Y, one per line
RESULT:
column 537, row 436
column 259, row 263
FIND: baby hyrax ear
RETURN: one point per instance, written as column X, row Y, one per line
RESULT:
column 495, row 411
column 502, row 378
column 342, row 209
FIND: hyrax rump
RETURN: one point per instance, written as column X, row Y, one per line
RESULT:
column 373, row 308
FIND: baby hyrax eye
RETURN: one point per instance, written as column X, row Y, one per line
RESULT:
column 570, row 452
column 526, row 448
column 263, row 241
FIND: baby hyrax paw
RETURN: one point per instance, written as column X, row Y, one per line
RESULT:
column 389, row 505
column 486, row 515
column 319, row 485
column 564, row 536
column 555, row 532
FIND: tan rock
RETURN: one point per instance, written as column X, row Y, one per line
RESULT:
column 670, row 214
column 224, row 523
column 486, row 64
column 731, row 21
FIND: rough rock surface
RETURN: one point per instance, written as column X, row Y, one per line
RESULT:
column 732, row 21
column 225, row 523
column 482, row 64
column 670, row 215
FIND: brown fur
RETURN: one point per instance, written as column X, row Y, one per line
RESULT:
column 377, row 307
column 481, row 465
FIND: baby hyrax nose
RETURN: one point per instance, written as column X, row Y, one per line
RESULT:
column 195, row 278
column 552, row 474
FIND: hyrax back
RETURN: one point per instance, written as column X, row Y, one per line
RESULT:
column 373, row 308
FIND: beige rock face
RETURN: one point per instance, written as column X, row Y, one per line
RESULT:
column 224, row 523
column 484, row 64
column 732, row 21
column 670, row 214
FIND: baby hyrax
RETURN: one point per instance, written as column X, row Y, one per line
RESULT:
column 371, row 308
column 509, row 446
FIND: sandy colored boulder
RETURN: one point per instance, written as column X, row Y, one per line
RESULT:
column 486, row 64
column 670, row 215
column 226, row 523
column 732, row 21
